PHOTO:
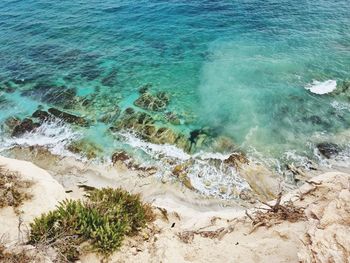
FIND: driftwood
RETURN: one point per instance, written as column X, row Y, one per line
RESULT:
column 276, row 214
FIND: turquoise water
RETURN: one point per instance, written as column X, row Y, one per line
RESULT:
column 239, row 67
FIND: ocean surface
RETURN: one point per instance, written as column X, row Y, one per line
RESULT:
column 260, row 72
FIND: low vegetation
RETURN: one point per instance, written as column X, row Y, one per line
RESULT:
column 13, row 189
column 18, row 256
column 98, row 223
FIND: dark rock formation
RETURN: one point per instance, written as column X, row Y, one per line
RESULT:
column 328, row 150
column 27, row 125
column 67, row 117
column 41, row 115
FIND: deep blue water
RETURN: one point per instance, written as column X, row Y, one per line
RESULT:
column 240, row 67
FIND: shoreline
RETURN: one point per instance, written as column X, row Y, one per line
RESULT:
column 215, row 232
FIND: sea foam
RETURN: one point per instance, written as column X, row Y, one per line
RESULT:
column 321, row 88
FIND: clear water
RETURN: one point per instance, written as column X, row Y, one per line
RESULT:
column 238, row 66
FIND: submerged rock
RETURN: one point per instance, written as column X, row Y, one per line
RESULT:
column 67, row 117
column 151, row 102
column 143, row 89
column 88, row 149
column 27, row 125
column 57, row 95
column 172, row 118
column 111, row 116
column 110, row 79
column 328, row 150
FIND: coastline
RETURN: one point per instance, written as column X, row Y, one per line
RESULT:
column 196, row 229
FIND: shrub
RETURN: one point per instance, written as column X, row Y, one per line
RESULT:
column 101, row 221
column 13, row 190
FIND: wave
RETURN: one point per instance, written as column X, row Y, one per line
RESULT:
column 321, row 88
column 54, row 136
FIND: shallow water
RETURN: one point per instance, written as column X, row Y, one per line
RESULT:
column 241, row 68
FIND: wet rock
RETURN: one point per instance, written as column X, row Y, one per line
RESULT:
column 41, row 115
column 136, row 121
column 164, row 136
column 129, row 111
column 110, row 116
column 67, row 117
column 120, row 156
column 27, row 125
column 143, row 124
column 86, row 148
column 236, row 160
column 151, row 102
column 328, row 150
column 12, row 122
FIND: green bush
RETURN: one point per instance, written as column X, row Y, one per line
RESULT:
column 101, row 221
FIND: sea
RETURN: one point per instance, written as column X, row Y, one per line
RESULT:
column 266, row 75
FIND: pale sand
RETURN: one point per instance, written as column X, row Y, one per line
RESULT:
column 328, row 206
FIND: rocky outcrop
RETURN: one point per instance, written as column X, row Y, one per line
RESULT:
column 157, row 102
column 327, row 236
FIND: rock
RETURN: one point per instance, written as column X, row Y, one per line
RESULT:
column 172, row 118
column 41, row 115
column 88, row 149
column 328, row 150
column 143, row 89
column 57, row 95
column 143, row 124
column 164, row 136
column 67, row 117
column 27, row 125
column 12, row 122
column 120, row 156
column 236, row 160
column 150, row 102
column 110, row 116
column 129, row 111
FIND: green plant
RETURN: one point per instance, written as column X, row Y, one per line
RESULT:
column 13, row 189
column 101, row 221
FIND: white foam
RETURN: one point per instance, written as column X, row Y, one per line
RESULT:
column 52, row 135
column 321, row 88
column 207, row 171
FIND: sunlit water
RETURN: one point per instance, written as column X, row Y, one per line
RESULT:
column 240, row 67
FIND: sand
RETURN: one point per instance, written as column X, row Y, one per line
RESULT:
column 196, row 229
